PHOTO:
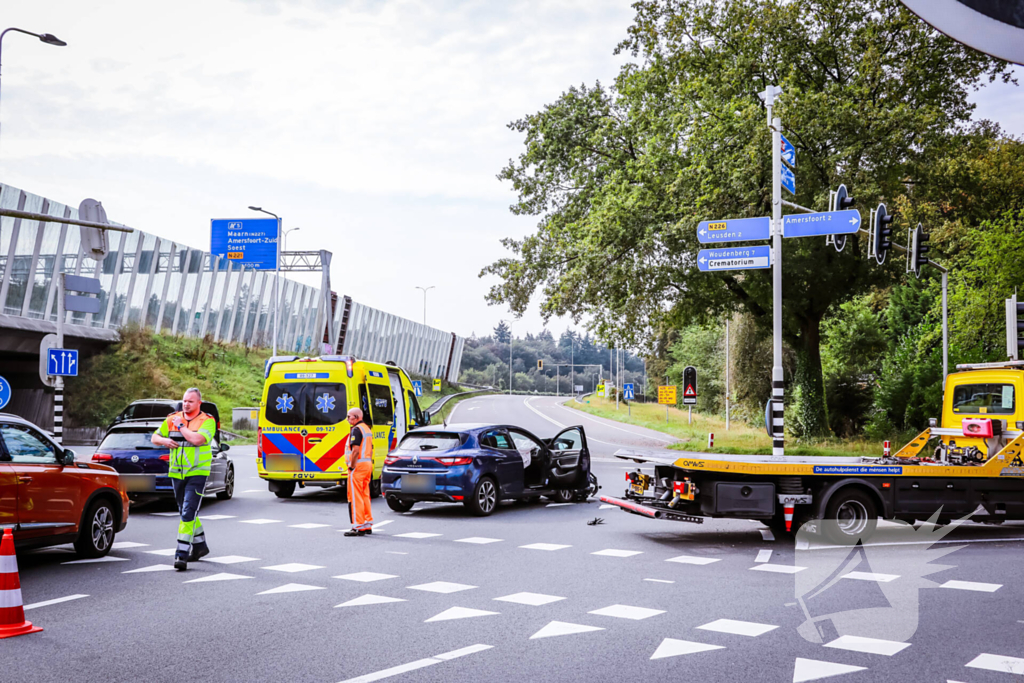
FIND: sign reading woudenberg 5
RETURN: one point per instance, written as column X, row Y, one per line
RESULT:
column 249, row 242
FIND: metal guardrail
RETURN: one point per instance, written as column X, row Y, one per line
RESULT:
column 436, row 406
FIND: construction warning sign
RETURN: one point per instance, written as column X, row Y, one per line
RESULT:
column 667, row 395
column 690, row 386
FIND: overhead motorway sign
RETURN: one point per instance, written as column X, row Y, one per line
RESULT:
column 417, row 385
column 249, row 242
column 5, row 392
column 735, row 258
column 627, row 391
column 62, row 362
column 788, row 152
column 734, row 230
column 818, row 224
column 788, row 179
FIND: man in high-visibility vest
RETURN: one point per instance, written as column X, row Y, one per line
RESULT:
column 359, row 457
column 188, row 434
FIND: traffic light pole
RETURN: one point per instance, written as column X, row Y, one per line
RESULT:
column 778, row 382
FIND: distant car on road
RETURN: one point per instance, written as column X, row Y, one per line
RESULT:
column 49, row 499
column 480, row 465
column 143, row 467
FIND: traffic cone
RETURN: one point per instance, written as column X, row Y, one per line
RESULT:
column 788, row 512
column 12, row 612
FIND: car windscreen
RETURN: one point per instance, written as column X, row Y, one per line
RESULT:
column 291, row 404
column 429, row 441
column 128, row 440
column 983, row 399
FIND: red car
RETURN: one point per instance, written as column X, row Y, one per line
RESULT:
column 48, row 498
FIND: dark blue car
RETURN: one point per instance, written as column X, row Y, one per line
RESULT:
column 143, row 467
column 480, row 465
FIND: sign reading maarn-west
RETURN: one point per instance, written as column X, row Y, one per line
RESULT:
column 735, row 258
column 734, row 230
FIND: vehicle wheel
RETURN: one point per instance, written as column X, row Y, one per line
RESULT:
column 229, row 485
column 851, row 516
column 563, row 496
column 285, row 489
column 375, row 488
column 484, row 499
column 97, row 532
column 398, row 505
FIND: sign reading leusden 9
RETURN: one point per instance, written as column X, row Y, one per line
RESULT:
column 249, row 242
column 667, row 395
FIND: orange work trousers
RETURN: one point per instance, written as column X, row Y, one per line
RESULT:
column 359, row 495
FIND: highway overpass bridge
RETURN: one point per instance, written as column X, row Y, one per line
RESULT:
column 173, row 288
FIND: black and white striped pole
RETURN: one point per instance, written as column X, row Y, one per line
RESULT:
column 58, row 384
column 778, row 384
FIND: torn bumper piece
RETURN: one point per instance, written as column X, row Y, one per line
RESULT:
column 652, row 512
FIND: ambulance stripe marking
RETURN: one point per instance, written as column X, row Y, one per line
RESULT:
column 281, row 443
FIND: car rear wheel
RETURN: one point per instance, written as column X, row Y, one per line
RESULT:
column 97, row 532
column 399, row 505
column 851, row 516
column 484, row 499
column 229, row 485
column 284, row 489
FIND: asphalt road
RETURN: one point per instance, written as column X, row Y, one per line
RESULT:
column 530, row 593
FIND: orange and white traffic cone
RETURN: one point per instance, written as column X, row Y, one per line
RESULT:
column 12, row 612
column 788, row 512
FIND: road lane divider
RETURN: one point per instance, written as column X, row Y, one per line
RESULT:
column 418, row 664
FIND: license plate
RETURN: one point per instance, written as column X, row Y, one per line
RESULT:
column 417, row 483
column 639, row 489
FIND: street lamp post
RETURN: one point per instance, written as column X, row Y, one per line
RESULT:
column 510, row 338
column 425, row 290
column 277, row 270
column 47, row 38
column 284, row 237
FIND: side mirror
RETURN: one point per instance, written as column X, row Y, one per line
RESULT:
column 224, row 447
column 69, row 457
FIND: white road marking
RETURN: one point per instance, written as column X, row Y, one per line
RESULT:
column 556, row 505
column 563, row 628
column 871, row 576
column 526, row 402
column 122, row 545
column 738, row 628
column 627, row 612
column 164, row 514
column 607, row 507
column 545, row 546
column 418, row 664
column 479, row 540
column 167, row 552
column 763, row 556
column 207, row 518
column 293, row 567
column 223, row 576
column 453, row 613
column 254, row 491
column 307, row 525
column 230, row 559
column 151, row 568
column 659, row 580
column 369, row 599
column 442, row 587
column 55, row 601
column 872, row 646
column 693, row 559
column 365, row 577
column 972, row 586
column 94, row 560
column 807, row 546
column 291, row 588
column 813, row 669
column 394, row 552
column 260, row 521
column 670, row 647
column 777, row 568
column 532, row 599
column 612, row 552
column 416, row 534
column 386, row 521
column 1001, row 663
column 767, row 535
column 607, row 423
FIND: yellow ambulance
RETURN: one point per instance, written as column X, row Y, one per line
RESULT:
column 303, row 431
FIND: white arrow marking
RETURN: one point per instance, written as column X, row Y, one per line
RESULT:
column 854, row 221
column 63, row 360
column 701, row 232
column 702, row 260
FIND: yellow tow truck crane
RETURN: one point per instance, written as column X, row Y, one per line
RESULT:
column 969, row 462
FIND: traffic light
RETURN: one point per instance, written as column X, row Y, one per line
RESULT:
column 1014, row 327
column 918, row 249
column 540, row 364
column 843, row 201
column 882, row 233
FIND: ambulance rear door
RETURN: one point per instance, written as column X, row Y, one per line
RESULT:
column 401, row 410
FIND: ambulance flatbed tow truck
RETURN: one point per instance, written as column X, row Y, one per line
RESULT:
column 968, row 464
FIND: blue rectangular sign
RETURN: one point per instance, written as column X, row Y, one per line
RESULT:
column 62, row 362
column 818, row 224
column 788, row 152
column 734, row 230
column 627, row 391
column 856, row 469
column 249, row 242
column 418, row 386
column 788, row 179
column 735, row 258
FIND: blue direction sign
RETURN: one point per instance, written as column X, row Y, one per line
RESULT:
column 5, row 392
column 63, row 362
column 788, row 179
column 824, row 223
column 735, row 258
column 734, row 230
column 627, row 391
column 417, row 385
column 788, row 152
column 249, row 242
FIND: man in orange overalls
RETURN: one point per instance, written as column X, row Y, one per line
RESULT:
column 360, row 471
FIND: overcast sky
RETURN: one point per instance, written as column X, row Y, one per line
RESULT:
column 375, row 126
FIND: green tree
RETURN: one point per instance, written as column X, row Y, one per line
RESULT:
column 502, row 333
column 620, row 176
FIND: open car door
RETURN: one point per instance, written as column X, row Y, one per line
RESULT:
column 570, row 459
